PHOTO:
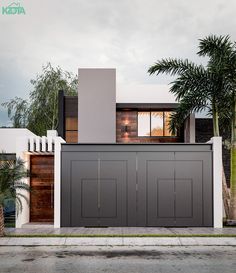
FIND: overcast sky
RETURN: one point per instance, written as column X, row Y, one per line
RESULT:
column 128, row 35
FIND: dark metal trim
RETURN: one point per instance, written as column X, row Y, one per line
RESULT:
column 147, row 106
column 61, row 114
column 136, row 147
column 8, row 156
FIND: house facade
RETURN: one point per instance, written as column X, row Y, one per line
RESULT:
column 99, row 116
column 116, row 163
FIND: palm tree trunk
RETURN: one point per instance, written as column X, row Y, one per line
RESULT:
column 216, row 130
column 226, row 194
column 233, row 167
column 233, row 183
column 1, row 221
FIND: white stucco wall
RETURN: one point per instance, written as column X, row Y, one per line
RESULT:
column 97, row 105
column 144, row 93
column 9, row 136
column 15, row 140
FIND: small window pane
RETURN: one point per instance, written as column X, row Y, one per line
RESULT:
column 167, row 121
column 143, row 123
column 157, row 124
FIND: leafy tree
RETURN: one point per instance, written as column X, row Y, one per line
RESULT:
column 198, row 88
column 11, row 187
column 18, row 111
column 40, row 112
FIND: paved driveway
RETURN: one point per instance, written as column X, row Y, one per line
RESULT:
column 71, row 259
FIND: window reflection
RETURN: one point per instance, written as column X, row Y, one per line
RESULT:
column 156, row 123
column 167, row 131
column 143, row 123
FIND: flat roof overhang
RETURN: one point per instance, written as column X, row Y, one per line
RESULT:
column 129, row 106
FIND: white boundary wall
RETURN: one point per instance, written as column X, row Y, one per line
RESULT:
column 23, row 143
column 19, row 145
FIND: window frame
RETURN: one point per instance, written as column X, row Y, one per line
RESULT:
column 150, row 124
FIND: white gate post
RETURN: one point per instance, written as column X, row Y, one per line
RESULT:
column 57, row 181
column 217, row 182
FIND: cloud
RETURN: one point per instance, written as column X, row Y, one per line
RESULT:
column 127, row 35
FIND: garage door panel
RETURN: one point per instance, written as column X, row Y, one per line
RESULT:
column 119, row 168
column 152, row 166
column 160, row 196
column 108, row 201
column 89, row 198
column 144, row 188
column 189, row 168
column 113, row 186
column 188, row 177
column 164, row 198
column 184, row 198
column 84, row 196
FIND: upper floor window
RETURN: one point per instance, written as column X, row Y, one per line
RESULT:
column 154, row 123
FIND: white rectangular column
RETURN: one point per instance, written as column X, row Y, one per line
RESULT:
column 97, row 105
column 57, row 181
column 217, row 182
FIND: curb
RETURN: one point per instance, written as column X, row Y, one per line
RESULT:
column 118, row 241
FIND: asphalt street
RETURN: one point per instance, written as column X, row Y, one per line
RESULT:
column 51, row 259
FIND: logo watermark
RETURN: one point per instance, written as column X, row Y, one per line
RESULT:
column 13, row 9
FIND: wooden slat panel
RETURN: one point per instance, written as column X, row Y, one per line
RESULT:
column 42, row 188
column 72, row 136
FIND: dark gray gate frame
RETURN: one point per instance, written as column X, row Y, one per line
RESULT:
column 185, row 148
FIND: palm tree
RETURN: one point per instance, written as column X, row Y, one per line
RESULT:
column 222, row 54
column 11, row 186
column 197, row 88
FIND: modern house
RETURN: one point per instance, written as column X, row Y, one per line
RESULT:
column 115, row 162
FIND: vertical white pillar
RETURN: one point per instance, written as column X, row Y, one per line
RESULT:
column 57, row 181
column 21, row 152
column 217, row 182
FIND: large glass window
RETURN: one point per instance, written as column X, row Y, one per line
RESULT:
column 143, row 123
column 154, row 123
column 157, row 123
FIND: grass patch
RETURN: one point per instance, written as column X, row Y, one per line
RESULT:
column 9, row 225
column 119, row 235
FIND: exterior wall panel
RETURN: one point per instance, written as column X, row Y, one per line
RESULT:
column 97, row 106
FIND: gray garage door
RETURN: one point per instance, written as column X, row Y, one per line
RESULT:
column 136, row 185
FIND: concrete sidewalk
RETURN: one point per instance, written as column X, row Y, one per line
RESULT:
column 31, row 229
column 87, row 236
column 118, row 241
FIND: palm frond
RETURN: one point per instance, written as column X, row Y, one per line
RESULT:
column 11, row 184
column 190, row 81
column 191, row 102
column 215, row 46
column 171, row 66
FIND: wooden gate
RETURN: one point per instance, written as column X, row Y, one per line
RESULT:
column 42, row 188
